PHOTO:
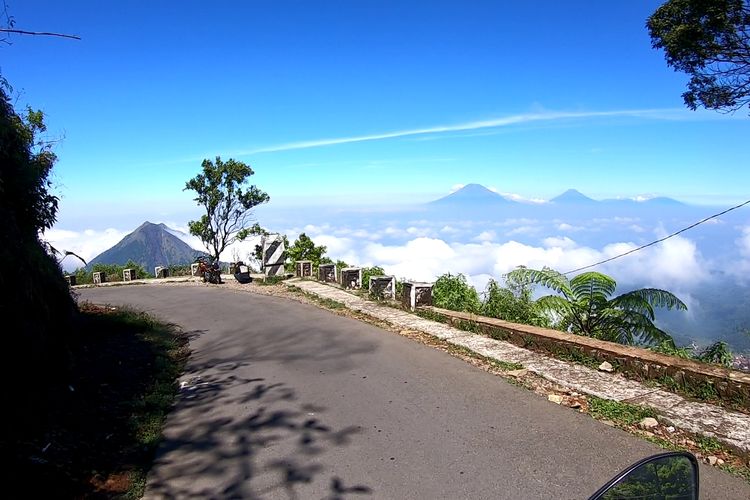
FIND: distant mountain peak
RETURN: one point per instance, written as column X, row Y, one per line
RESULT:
column 150, row 245
column 572, row 196
column 471, row 194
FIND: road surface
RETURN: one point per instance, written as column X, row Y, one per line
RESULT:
column 284, row 400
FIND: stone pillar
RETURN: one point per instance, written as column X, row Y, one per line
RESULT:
column 351, row 277
column 100, row 277
column 128, row 275
column 274, row 255
column 383, row 286
column 304, row 269
column 161, row 272
column 71, row 279
column 327, row 273
column 416, row 294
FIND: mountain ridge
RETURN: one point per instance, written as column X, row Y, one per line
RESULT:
column 149, row 245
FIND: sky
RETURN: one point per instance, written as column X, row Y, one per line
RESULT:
column 362, row 104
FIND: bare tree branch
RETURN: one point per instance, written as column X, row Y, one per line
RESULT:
column 38, row 33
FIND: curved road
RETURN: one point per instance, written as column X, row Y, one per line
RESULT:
column 284, row 400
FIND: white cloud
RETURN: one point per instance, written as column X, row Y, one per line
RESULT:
column 673, row 264
column 88, row 243
column 456, row 187
column 523, row 230
column 520, row 198
column 541, row 116
column 564, row 226
column 743, row 244
column 486, row 236
column 562, row 242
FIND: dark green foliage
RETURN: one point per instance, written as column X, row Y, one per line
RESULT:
column 667, row 477
column 710, row 41
column 368, row 272
column 37, row 308
column 340, row 264
column 513, row 303
column 113, row 272
column 718, row 353
column 453, row 292
column 222, row 190
column 618, row 412
column 304, row 248
column 583, row 306
column 670, row 349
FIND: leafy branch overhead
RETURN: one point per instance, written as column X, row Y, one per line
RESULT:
column 222, row 189
column 710, row 41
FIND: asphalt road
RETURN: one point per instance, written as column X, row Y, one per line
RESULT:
column 284, row 400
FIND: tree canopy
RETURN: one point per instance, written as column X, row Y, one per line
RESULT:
column 222, row 189
column 39, row 311
column 710, row 41
column 304, row 248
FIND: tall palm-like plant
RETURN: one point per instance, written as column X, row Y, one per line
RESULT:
column 584, row 306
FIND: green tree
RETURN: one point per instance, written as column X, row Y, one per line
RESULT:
column 39, row 311
column 584, row 306
column 451, row 291
column 222, row 189
column 513, row 302
column 304, row 248
column 710, row 41
column 369, row 272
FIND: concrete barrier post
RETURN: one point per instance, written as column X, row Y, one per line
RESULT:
column 416, row 294
column 274, row 255
column 100, row 277
column 128, row 275
column 194, row 269
column 327, row 273
column 161, row 272
column 383, row 286
column 304, row 269
column 351, row 277
column 71, row 279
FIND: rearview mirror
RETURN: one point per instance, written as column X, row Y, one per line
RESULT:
column 667, row 476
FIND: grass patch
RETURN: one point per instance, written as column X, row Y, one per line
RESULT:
column 105, row 417
column 742, row 472
column 708, row 445
column 624, row 414
column 322, row 301
column 270, row 280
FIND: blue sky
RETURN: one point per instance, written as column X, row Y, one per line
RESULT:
column 354, row 98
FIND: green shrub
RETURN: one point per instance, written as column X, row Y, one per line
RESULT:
column 719, row 353
column 368, row 272
column 512, row 303
column 454, row 293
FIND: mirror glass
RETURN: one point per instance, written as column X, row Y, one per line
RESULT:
column 663, row 478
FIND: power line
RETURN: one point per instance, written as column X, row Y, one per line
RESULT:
column 660, row 239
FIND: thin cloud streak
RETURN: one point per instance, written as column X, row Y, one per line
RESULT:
column 475, row 125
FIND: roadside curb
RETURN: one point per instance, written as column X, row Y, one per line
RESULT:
column 730, row 427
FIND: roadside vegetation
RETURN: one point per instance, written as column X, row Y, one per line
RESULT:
column 98, row 428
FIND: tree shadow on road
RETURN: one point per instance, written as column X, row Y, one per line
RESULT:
column 242, row 437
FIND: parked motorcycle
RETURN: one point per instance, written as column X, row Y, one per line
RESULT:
column 209, row 271
column 672, row 476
